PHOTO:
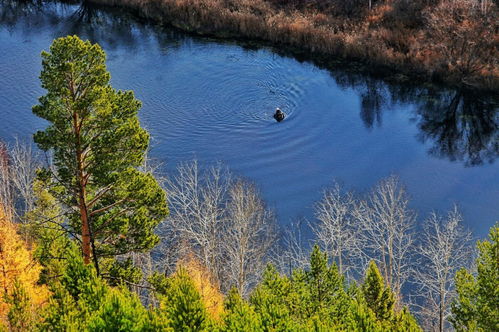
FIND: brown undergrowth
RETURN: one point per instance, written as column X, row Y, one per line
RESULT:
column 454, row 41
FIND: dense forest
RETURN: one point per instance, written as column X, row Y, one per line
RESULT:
column 451, row 41
column 94, row 237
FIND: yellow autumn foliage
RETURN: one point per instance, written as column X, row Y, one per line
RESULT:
column 205, row 284
column 17, row 264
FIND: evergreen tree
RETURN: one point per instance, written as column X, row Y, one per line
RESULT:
column 299, row 297
column 312, row 300
column 156, row 321
column 123, row 271
column 477, row 305
column 78, row 295
column 270, row 300
column 183, row 305
column 20, row 316
column 62, row 313
column 97, row 146
column 239, row 315
column 405, row 322
column 324, row 280
column 379, row 298
column 318, row 300
column 83, row 301
column 46, row 228
column 120, row 311
column 362, row 318
column 82, row 283
column 322, row 290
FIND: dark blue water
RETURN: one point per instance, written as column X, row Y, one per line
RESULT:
column 214, row 101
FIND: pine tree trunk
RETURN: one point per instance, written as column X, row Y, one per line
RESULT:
column 82, row 204
column 85, row 229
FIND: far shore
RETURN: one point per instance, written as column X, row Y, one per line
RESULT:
column 380, row 40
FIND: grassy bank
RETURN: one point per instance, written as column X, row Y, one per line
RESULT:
column 449, row 41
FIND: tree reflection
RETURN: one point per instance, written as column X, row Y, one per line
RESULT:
column 462, row 125
column 374, row 95
column 12, row 11
column 372, row 102
column 110, row 27
column 103, row 27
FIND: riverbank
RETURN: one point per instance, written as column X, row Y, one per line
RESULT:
column 447, row 43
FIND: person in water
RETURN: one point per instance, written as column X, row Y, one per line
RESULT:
column 279, row 115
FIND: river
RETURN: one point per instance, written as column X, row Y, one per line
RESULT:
column 214, row 101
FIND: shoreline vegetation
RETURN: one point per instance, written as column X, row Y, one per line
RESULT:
column 452, row 42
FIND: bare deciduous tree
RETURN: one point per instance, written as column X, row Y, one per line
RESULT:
column 24, row 163
column 167, row 252
column 444, row 248
column 294, row 252
column 336, row 230
column 196, row 202
column 221, row 220
column 387, row 231
column 249, row 236
column 6, row 192
column 18, row 165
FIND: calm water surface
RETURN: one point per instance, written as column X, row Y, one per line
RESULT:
column 212, row 101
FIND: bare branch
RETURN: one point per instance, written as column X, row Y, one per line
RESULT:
column 336, row 229
column 445, row 247
column 387, row 231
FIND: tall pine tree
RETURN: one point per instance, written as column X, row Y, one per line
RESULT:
column 98, row 147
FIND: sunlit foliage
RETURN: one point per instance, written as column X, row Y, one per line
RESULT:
column 19, row 275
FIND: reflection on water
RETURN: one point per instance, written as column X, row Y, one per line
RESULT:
column 111, row 28
column 373, row 102
column 462, row 125
column 215, row 100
